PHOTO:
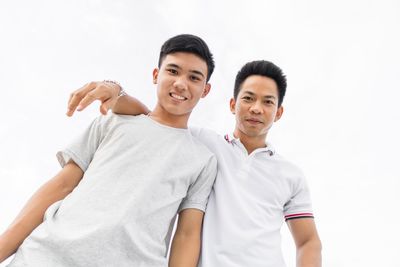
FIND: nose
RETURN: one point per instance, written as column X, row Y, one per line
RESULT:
column 180, row 83
column 256, row 107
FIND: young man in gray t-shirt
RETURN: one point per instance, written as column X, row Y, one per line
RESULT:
column 125, row 179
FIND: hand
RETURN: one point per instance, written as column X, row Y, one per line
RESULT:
column 106, row 92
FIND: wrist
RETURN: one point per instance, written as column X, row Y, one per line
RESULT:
column 121, row 91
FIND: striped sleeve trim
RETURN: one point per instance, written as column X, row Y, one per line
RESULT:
column 299, row 215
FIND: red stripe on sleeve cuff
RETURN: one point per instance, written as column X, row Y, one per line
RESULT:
column 299, row 215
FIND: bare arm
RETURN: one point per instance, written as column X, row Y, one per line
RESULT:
column 129, row 105
column 185, row 249
column 32, row 214
column 107, row 93
column 308, row 244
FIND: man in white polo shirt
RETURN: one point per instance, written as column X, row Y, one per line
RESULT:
column 256, row 189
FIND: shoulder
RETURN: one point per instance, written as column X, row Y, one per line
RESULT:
column 112, row 119
column 200, row 148
column 287, row 168
column 208, row 137
column 202, row 133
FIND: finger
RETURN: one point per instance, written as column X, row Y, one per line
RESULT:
column 70, row 107
column 76, row 97
column 105, row 106
column 102, row 92
column 89, row 98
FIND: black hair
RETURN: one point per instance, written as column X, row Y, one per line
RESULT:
column 263, row 68
column 191, row 44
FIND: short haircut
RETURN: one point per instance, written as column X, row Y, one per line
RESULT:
column 191, row 44
column 263, row 68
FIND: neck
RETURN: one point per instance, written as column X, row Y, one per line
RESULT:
column 251, row 143
column 162, row 116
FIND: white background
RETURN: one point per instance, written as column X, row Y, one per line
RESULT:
column 341, row 120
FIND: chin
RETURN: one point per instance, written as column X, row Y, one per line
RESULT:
column 253, row 133
column 176, row 112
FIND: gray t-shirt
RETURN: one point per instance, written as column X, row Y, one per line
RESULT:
column 138, row 175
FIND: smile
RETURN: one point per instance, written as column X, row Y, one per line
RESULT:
column 253, row 121
column 178, row 97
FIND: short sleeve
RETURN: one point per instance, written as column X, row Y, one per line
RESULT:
column 200, row 190
column 82, row 149
column 299, row 205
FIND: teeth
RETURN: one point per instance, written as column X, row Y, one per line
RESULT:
column 178, row 97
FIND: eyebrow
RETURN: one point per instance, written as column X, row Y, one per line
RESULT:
column 253, row 94
column 192, row 71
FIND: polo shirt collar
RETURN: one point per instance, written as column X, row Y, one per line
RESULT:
column 231, row 139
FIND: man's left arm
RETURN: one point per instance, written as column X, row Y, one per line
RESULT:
column 308, row 244
column 111, row 96
column 185, row 248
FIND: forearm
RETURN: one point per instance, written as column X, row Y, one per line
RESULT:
column 309, row 254
column 185, row 251
column 129, row 105
column 32, row 213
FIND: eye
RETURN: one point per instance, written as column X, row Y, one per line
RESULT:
column 172, row 71
column 269, row 102
column 247, row 98
column 195, row 78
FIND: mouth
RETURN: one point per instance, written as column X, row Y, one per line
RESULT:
column 253, row 121
column 177, row 97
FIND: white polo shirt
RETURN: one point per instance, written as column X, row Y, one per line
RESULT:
column 252, row 196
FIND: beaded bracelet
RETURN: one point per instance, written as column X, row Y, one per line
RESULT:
column 121, row 90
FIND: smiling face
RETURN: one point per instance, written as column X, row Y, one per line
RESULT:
column 181, row 82
column 256, row 108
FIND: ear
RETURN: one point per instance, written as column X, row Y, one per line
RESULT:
column 206, row 90
column 232, row 105
column 155, row 75
column 279, row 113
